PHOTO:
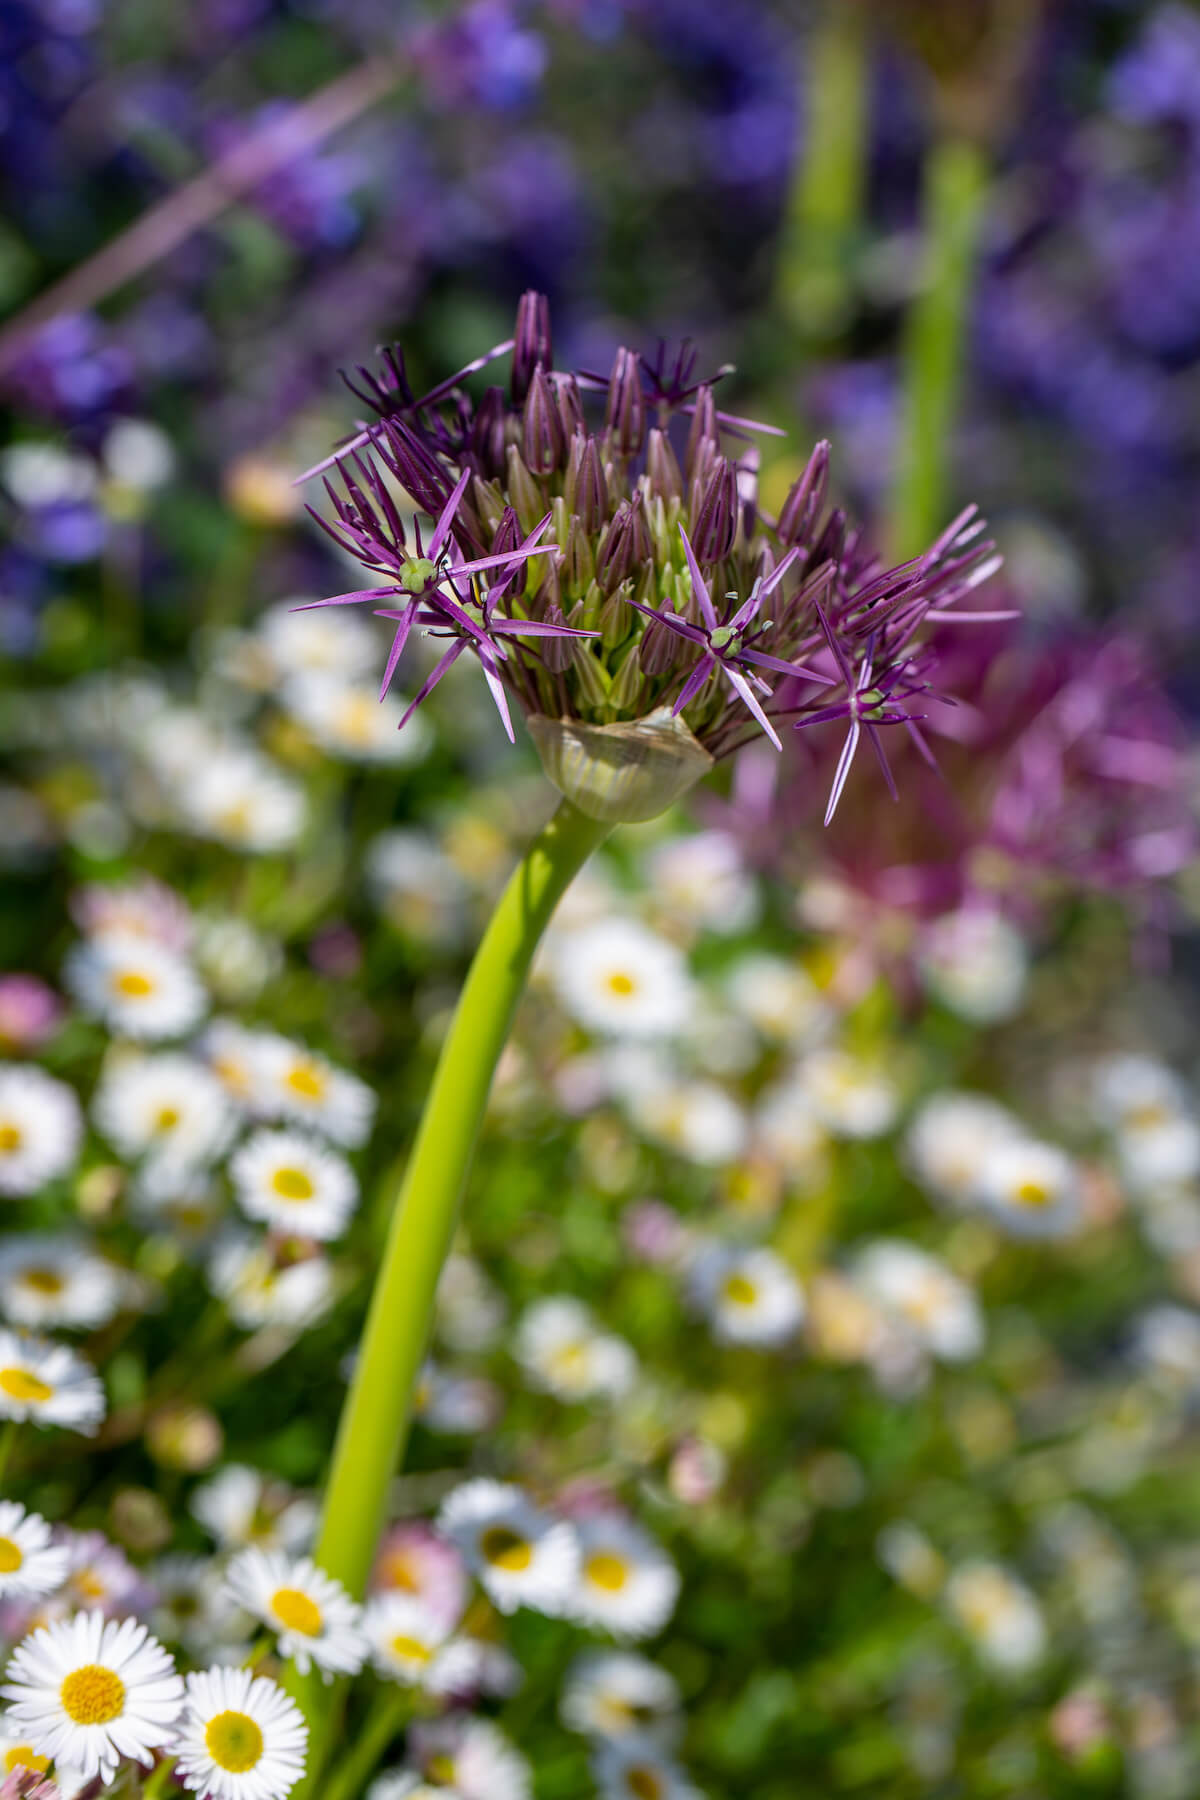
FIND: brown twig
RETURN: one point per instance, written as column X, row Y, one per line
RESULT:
column 199, row 201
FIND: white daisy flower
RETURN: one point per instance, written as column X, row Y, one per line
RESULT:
column 633, row 1768
column 138, row 455
column 521, row 1555
column 627, row 1583
column 236, row 960
column 949, row 1139
column 343, row 644
column 616, row 977
column 313, row 1617
column 787, row 1128
column 782, row 1003
column 611, row 1693
column 472, row 1757
column 406, row 1784
column 977, row 964
column 702, row 881
column 919, row 1294
column 851, row 1098
column 49, row 1384
column 1167, row 1342
column 239, row 1507
column 40, row 1129
column 413, row 1560
column 696, row 1119
column 406, row 1640
column 30, row 1562
column 190, row 1609
column 137, row 987
column 457, row 1404
column 241, row 1737
column 57, row 1281
column 999, row 1615
column 299, row 1085
column 241, row 799
column 45, row 474
column 167, row 1107
column 417, row 887
column 92, row 1691
column 1031, row 1189
column 237, row 1057
column 260, row 1290
column 293, row 1184
column 16, row 1751
column 347, row 718
column 750, row 1296
column 1148, row 1109
column 562, row 1351
column 471, row 1310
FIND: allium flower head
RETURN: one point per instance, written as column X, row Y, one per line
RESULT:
column 598, row 547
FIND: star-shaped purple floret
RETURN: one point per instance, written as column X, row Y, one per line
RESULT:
column 730, row 644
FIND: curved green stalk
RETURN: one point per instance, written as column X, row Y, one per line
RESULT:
column 825, row 208
column 375, row 1418
column 956, row 175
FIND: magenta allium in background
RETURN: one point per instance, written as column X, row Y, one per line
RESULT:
column 30, row 1012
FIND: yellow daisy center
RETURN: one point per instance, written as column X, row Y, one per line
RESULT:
column 19, row 1384
column 1033, row 1193
column 411, row 1649
column 398, row 1569
column 357, row 719
column 621, row 985
column 88, row 1584
column 10, row 1137
column 166, row 1118
column 44, row 1281
column 234, row 1741
column 605, row 1569
column 644, row 1783
column 307, row 1080
column 441, row 1769
column 739, row 1290
column 11, row 1556
column 295, row 1610
column 92, row 1695
column 292, row 1184
column 131, row 984
column 506, row 1549
column 21, row 1756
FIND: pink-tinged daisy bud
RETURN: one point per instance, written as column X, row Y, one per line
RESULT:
column 533, row 346
column 626, row 416
column 806, row 499
column 543, row 440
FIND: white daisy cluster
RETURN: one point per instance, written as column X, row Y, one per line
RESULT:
column 969, row 1152
column 1150, row 1121
column 995, row 1610
column 90, row 1694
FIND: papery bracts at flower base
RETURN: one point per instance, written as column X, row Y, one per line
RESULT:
column 610, row 571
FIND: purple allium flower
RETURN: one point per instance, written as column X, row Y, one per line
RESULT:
column 579, row 557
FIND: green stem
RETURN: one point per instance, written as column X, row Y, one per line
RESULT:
column 8, row 1438
column 375, row 1418
column 956, row 179
column 358, row 1762
column 825, row 211
column 159, row 1778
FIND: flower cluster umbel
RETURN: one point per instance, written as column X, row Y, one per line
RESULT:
column 598, row 546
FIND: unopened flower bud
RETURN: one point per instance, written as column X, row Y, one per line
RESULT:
column 714, row 522
column 549, row 595
column 628, row 684
column 662, row 467
column 523, row 491
column 532, row 344
column 489, row 503
column 618, row 551
column 703, row 433
column 806, row 499
column 579, row 570
column 558, row 653
column 615, row 616
column 569, row 402
column 543, row 441
column 488, row 435
column 662, row 650
column 508, row 536
column 626, row 415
